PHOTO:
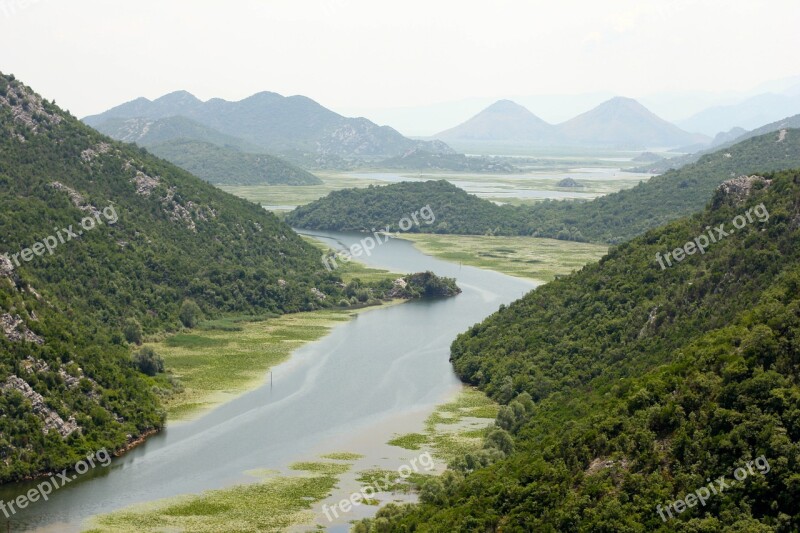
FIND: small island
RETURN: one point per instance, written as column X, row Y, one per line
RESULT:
column 424, row 285
column 568, row 182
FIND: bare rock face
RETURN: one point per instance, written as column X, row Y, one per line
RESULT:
column 6, row 267
column 27, row 108
column 52, row 421
column 737, row 190
column 15, row 329
column 94, row 152
column 77, row 198
column 144, row 184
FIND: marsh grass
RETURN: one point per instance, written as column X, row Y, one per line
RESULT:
column 454, row 428
column 524, row 257
column 273, row 504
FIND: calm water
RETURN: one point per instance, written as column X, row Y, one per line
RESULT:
column 382, row 365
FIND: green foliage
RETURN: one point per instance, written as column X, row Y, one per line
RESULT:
column 455, row 210
column 190, row 313
column 627, row 386
column 228, row 166
column 176, row 238
column 132, row 330
column 427, row 285
column 148, row 362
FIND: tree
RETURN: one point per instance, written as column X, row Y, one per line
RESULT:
column 132, row 330
column 148, row 362
column 190, row 313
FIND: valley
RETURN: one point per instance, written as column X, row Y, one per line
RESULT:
column 354, row 267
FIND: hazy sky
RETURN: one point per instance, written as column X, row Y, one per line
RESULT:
column 358, row 55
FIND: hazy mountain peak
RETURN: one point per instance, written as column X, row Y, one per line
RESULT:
column 504, row 120
column 178, row 98
column 624, row 122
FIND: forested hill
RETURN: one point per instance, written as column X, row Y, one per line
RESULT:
column 613, row 218
column 620, row 216
column 455, row 210
column 160, row 237
column 630, row 386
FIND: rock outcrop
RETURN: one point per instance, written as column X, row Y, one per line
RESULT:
column 52, row 421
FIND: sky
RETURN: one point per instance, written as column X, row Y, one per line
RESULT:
column 377, row 58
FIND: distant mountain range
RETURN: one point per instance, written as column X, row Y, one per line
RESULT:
column 748, row 114
column 616, row 123
column 294, row 127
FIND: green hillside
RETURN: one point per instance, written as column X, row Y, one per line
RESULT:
column 228, row 166
column 613, row 218
column 628, row 387
column 455, row 210
column 132, row 242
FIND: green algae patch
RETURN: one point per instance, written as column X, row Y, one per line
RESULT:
column 411, row 441
column 455, row 428
column 343, row 456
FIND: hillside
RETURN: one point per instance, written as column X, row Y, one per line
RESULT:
column 101, row 239
column 613, row 218
column 506, row 121
column 629, row 387
column 149, row 132
column 228, row 166
column 455, row 210
column 620, row 216
column 678, row 162
column 295, row 127
column 624, row 123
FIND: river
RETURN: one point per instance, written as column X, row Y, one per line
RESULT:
column 357, row 380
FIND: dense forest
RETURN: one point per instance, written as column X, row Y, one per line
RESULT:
column 136, row 246
column 613, row 218
column 455, row 210
column 627, row 386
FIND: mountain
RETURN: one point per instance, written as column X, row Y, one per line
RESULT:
column 101, row 239
column 680, row 161
column 626, row 388
column 224, row 165
column 216, row 157
column 624, row 123
column 614, row 218
column 504, row 121
column 726, row 137
column 749, row 114
column 295, row 127
column 148, row 132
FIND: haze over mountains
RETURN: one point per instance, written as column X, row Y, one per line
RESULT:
column 294, row 127
column 748, row 114
column 617, row 123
